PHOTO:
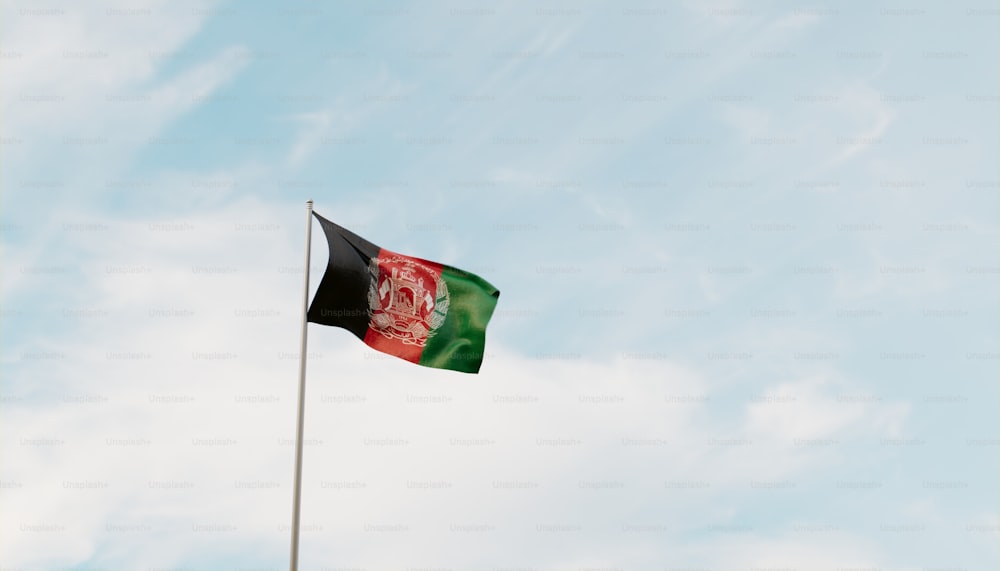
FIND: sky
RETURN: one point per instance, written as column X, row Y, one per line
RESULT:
column 747, row 255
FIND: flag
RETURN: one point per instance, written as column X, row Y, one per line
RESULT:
column 421, row 311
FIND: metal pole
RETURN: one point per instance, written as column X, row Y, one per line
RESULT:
column 297, row 494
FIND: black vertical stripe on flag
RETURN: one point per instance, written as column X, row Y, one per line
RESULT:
column 342, row 297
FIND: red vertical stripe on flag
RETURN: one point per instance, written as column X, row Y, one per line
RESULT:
column 405, row 287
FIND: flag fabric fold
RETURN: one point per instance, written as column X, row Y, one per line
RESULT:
column 424, row 312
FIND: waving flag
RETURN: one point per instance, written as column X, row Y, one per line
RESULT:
column 421, row 311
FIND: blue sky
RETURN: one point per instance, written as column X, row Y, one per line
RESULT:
column 747, row 255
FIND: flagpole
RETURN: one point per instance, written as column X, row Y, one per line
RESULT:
column 297, row 494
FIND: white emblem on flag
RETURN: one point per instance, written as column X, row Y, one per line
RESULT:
column 406, row 300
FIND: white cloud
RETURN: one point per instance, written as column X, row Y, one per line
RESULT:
column 860, row 104
column 797, row 552
column 812, row 414
column 96, row 74
column 314, row 128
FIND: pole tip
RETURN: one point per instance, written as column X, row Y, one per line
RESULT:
column 309, row 202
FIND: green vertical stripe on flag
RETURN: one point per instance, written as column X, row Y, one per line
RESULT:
column 459, row 343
